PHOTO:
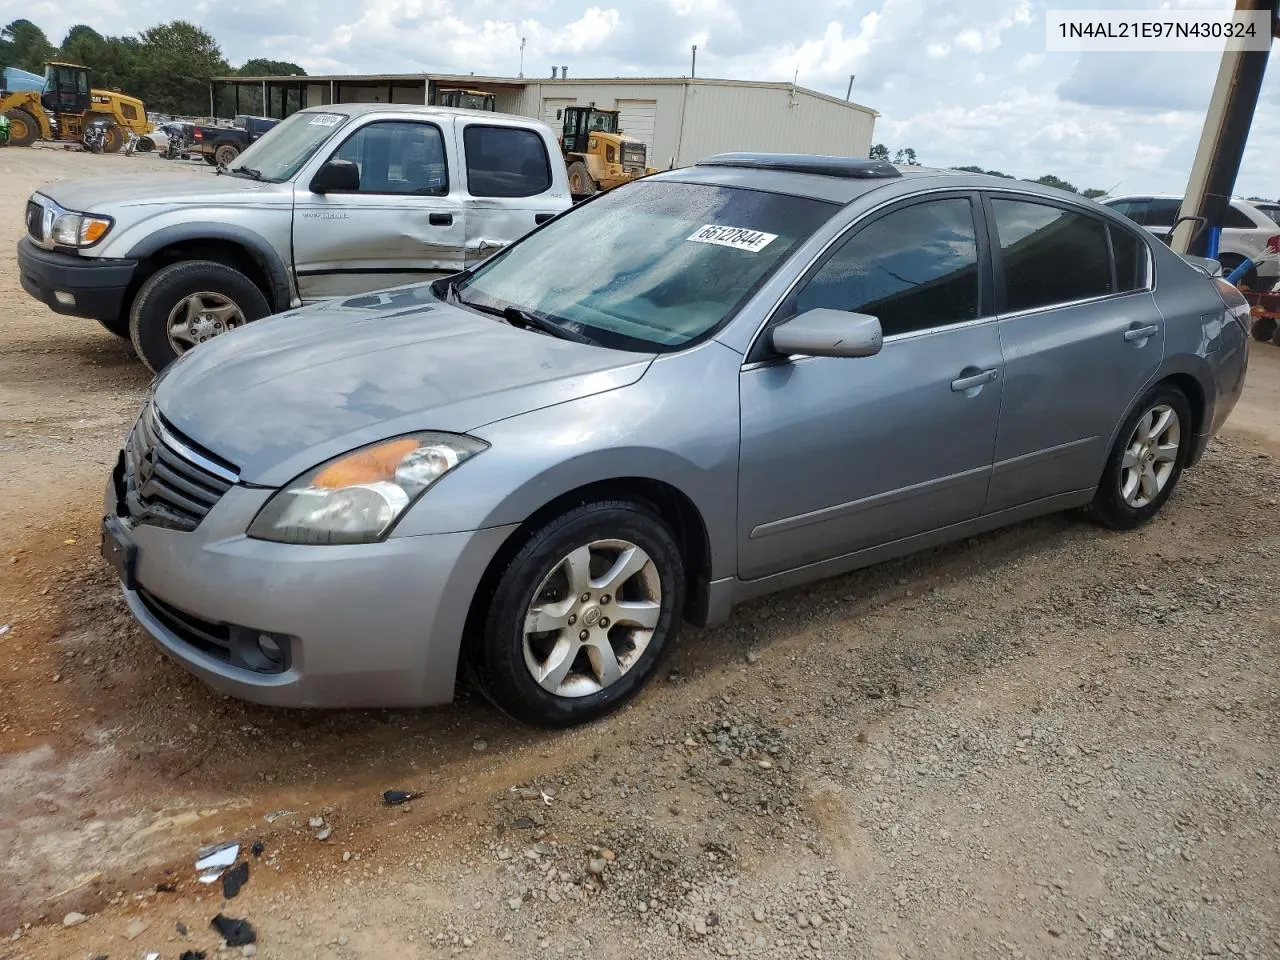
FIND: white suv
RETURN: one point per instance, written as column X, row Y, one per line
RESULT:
column 1245, row 230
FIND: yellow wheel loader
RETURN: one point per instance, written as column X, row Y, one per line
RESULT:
column 599, row 156
column 66, row 108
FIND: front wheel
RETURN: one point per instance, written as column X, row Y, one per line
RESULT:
column 23, row 128
column 581, row 615
column 1146, row 460
column 580, row 181
column 187, row 303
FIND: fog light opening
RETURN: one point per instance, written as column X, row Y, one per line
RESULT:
column 64, row 297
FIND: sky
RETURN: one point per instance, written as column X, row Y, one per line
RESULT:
column 960, row 81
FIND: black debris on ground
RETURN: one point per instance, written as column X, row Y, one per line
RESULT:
column 234, row 879
column 237, row 933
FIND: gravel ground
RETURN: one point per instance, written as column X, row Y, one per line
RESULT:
column 1052, row 741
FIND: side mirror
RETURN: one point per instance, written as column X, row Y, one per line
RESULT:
column 336, row 175
column 828, row 333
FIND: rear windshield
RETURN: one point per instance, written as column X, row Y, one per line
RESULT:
column 653, row 265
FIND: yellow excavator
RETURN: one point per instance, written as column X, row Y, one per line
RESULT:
column 599, row 156
column 67, row 108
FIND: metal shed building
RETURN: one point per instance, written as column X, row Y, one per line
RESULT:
column 681, row 119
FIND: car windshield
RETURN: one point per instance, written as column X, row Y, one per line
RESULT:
column 282, row 150
column 650, row 266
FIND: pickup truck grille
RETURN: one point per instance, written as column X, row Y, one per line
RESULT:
column 35, row 221
column 633, row 153
column 166, row 482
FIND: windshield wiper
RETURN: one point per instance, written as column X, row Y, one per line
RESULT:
column 528, row 320
column 249, row 172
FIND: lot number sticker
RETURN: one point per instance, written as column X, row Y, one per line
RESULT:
column 326, row 119
column 740, row 238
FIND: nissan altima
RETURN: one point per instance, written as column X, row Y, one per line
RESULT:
column 692, row 390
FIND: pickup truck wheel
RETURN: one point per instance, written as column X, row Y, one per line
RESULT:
column 185, row 304
column 224, row 153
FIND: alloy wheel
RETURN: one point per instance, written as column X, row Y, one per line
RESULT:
column 1150, row 456
column 199, row 317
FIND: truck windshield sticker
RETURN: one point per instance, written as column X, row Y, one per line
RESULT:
column 740, row 238
column 326, row 119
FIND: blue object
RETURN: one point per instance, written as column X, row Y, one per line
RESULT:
column 16, row 80
column 1214, row 239
column 1235, row 275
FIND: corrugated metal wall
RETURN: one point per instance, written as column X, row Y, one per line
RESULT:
column 721, row 118
column 667, row 97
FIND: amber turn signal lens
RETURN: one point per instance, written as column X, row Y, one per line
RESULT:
column 366, row 466
column 91, row 231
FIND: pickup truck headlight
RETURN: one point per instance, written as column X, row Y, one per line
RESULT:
column 79, row 229
column 358, row 497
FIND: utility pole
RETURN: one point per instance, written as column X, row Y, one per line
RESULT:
column 521, row 73
column 849, row 93
column 1222, row 142
column 693, row 67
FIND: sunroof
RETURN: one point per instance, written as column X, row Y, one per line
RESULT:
column 848, row 167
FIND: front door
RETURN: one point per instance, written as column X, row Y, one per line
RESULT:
column 842, row 454
column 1082, row 336
column 405, row 224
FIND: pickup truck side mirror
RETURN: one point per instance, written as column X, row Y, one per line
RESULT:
column 335, row 176
column 828, row 333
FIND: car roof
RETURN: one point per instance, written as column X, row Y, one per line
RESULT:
column 360, row 109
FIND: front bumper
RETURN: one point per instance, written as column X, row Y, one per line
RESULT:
column 96, row 284
column 368, row 625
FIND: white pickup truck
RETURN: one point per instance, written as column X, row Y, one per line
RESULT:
column 336, row 200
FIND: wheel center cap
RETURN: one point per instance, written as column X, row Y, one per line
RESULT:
column 591, row 616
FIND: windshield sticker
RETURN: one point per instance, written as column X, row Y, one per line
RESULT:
column 326, row 119
column 740, row 238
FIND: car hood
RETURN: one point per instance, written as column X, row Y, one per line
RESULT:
column 284, row 394
column 140, row 190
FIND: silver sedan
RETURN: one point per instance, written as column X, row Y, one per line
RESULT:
column 687, row 392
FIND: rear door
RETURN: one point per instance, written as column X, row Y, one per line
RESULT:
column 405, row 223
column 509, row 184
column 1081, row 337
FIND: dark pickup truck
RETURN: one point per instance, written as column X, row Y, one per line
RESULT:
column 221, row 145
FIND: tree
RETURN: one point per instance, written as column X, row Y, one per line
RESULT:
column 1049, row 180
column 989, row 173
column 176, row 60
column 261, row 67
column 24, row 45
column 878, row 152
column 1093, row 193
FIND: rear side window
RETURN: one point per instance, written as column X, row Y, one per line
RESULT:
column 1161, row 213
column 914, row 268
column 1131, row 260
column 1050, row 255
column 505, row 162
column 1135, row 210
column 1237, row 218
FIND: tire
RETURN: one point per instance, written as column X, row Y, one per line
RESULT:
column 144, row 145
column 169, row 287
column 1110, row 505
column 112, row 138
column 23, row 128
column 1265, row 329
column 207, row 158
column 119, row 326
column 502, row 658
column 579, row 175
column 225, row 153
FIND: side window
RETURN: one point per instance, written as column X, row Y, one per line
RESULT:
column 396, row 156
column 1235, row 217
column 1050, row 255
column 1131, row 259
column 505, row 161
column 914, row 268
column 129, row 111
column 1162, row 213
column 1135, row 210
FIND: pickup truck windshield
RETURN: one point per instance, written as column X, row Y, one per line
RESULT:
column 282, row 151
column 650, row 266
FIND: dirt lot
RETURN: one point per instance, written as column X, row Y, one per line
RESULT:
column 1049, row 742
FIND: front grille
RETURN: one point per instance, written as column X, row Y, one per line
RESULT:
column 167, row 480
column 211, row 638
column 35, row 221
column 633, row 153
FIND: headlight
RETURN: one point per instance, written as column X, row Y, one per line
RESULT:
column 358, row 497
column 79, row 229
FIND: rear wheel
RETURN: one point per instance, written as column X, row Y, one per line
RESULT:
column 580, row 179
column 1266, row 329
column 112, row 138
column 581, row 615
column 185, row 304
column 224, row 153
column 23, row 128
column 1146, row 461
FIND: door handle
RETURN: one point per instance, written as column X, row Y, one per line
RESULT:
column 541, row 218
column 969, row 381
column 1141, row 333
column 440, row 219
